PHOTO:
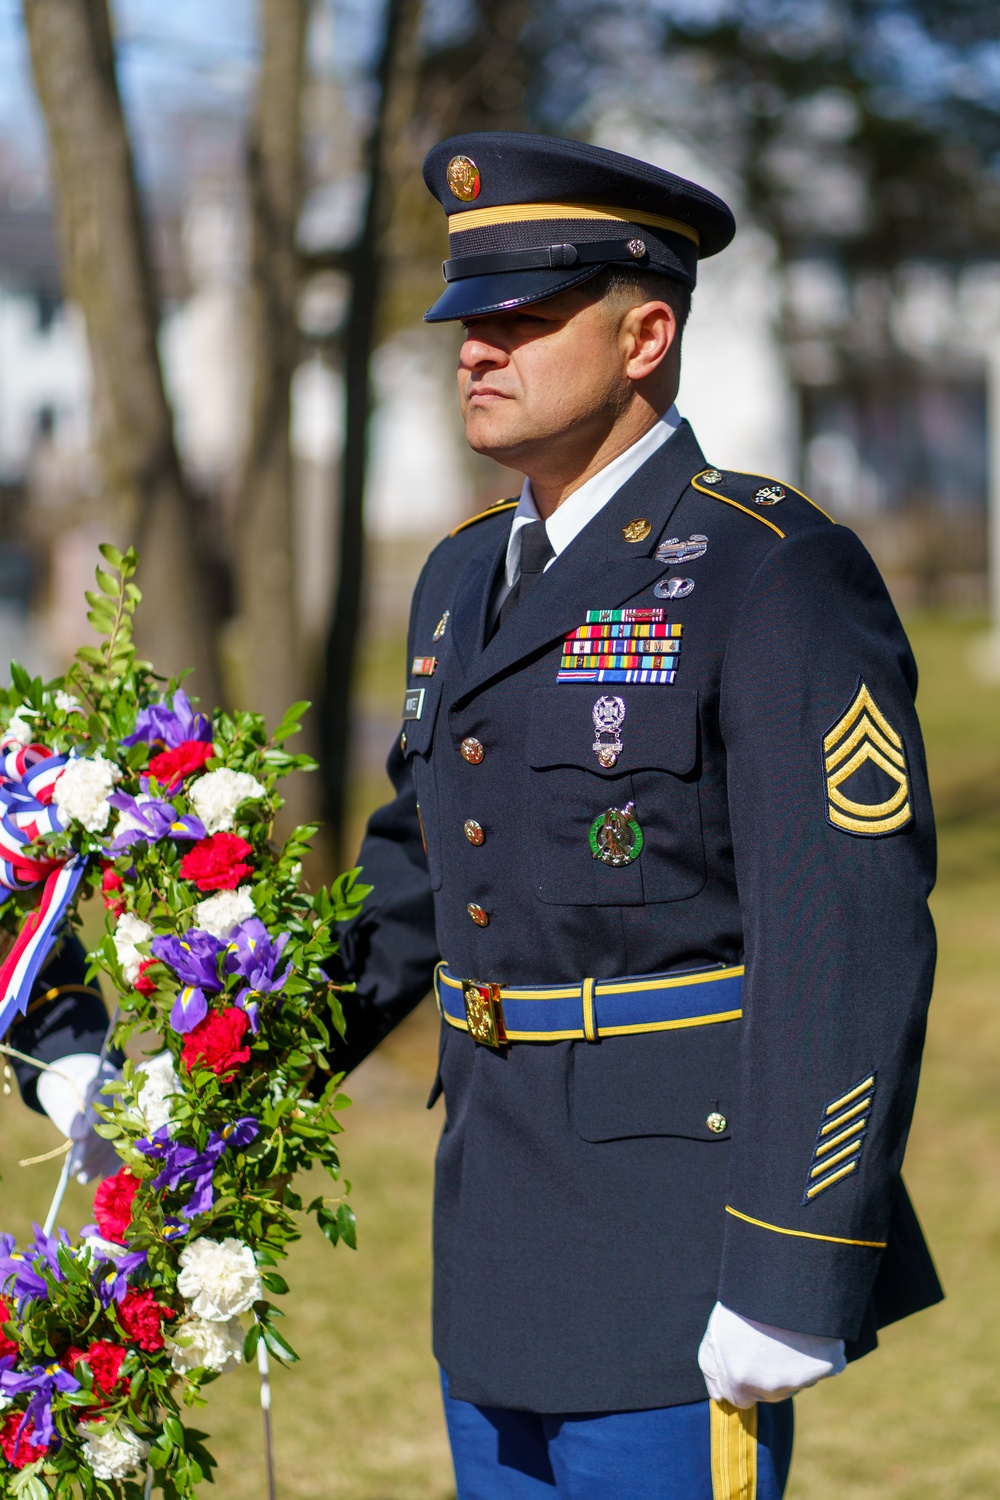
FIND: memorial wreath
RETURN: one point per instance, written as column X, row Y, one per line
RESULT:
column 113, row 784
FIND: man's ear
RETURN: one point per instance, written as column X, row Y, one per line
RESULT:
column 652, row 332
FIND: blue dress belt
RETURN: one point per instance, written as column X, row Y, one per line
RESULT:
column 594, row 1008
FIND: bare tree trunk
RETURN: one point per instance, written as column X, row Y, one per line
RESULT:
column 268, row 634
column 364, row 266
column 107, row 271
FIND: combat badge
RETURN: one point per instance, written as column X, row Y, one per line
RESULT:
column 615, row 837
column 863, row 744
column 673, row 551
column 608, row 716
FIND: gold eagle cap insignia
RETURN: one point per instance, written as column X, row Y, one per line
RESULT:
column 863, row 735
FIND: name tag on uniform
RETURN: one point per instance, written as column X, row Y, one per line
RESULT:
column 413, row 703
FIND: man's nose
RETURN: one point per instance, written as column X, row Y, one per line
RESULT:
column 481, row 353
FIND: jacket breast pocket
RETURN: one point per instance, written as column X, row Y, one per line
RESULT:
column 419, row 745
column 680, row 1083
column 658, row 768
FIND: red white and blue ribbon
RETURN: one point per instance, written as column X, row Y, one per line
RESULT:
column 28, row 774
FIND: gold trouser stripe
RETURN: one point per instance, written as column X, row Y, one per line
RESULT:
column 589, row 1026
column 528, row 213
column 805, row 1234
column 734, row 1451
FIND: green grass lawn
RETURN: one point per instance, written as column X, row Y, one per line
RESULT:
column 358, row 1418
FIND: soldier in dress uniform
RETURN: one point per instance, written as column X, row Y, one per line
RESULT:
column 662, row 842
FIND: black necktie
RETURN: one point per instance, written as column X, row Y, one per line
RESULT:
column 536, row 551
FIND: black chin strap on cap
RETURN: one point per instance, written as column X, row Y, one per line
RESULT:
column 555, row 257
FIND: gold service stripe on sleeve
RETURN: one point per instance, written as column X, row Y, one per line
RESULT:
column 852, row 1094
column 734, row 1451
column 527, row 213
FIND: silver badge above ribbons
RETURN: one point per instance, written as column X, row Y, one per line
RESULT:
column 608, row 716
column 673, row 588
column 673, row 551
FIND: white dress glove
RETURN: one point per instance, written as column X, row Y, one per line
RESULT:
column 67, row 1093
column 744, row 1362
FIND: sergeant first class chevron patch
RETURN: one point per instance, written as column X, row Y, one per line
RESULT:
column 864, row 765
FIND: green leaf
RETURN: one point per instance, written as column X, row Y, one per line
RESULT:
column 106, row 583
column 347, row 1223
column 275, row 1283
column 19, row 677
column 251, row 1341
column 277, row 1344
column 111, row 555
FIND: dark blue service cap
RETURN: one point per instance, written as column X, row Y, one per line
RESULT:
column 532, row 215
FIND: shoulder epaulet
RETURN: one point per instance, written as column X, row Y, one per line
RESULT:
column 491, row 510
column 747, row 492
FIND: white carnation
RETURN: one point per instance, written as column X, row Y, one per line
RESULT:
column 221, row 913
column 219, row 1278
column 199, row 1344
column 161, row 1084
column 20, row 727
column 114, row 1452
column 130, row 931
column 68, row 703
column 82, row 790
column 216, row 796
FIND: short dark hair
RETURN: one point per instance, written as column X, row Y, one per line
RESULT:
column 650, row 286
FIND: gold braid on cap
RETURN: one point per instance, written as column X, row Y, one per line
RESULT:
column 523, row 213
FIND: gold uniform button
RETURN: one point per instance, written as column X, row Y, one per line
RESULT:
column 717, row 1123
column 480, row 917
column 472, row 751
column 473, row 831
column 402, row 742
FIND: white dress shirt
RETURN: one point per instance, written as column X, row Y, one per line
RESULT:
column 582, row 506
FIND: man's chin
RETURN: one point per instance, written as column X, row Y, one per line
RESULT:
column 492, row 440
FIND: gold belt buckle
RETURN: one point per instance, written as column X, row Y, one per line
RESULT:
column 484, row 1013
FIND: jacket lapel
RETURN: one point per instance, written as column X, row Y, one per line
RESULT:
column 598, row 570
column 472, row 598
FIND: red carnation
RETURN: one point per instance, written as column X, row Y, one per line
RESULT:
column 17, row 1450
column 171, row 766
column 105, row 1360
column 141, row 1317
column 216, row 863
column 215, row 1043
column 111, row 885
column 113, row 1205
column 7, row 1345
column 144, row 984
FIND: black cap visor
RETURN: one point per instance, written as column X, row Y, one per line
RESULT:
column 477, row 296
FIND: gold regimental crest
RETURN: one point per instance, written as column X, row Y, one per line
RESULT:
column 863, row 734
column 484, row 1013
column 464, row 179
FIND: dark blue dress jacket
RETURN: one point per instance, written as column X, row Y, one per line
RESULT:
column 586, row 1216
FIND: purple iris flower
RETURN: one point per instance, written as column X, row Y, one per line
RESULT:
column 194, row 958
column 115, row 1268
column 41, row 1383
column 254, row 957
column 170, row 726
column 20, row 1274
column 151, row 820
column 183, row 1164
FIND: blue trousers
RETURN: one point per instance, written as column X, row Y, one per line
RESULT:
column 664, row 1454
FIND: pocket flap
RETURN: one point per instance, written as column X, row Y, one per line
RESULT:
column 658, row 1083
column 659, row 729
